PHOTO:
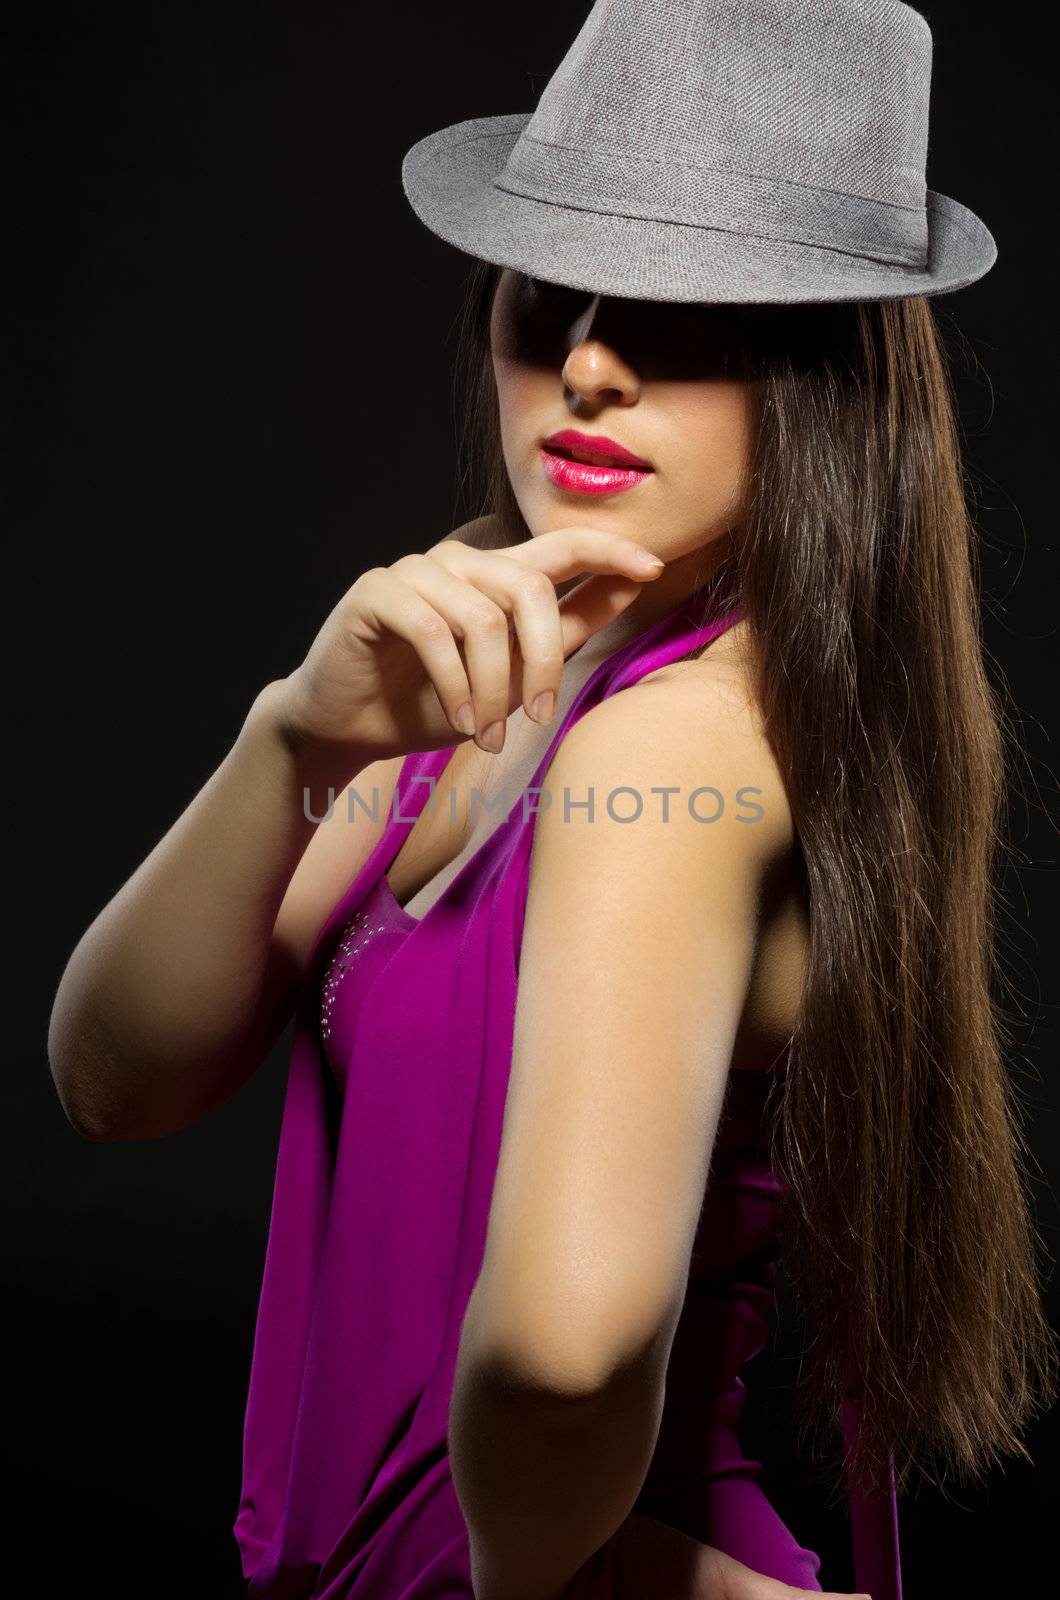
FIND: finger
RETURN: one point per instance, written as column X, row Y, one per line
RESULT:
column 390, row 604
column 566, row 552
column 528, row 596
column 750, row 1585
column 619, row 568
column 617, row 562
column 482, row 533
column 734, row 1580
column 481, row 625
column 592, row 605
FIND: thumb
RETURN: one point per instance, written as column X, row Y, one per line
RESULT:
column 743, row 1583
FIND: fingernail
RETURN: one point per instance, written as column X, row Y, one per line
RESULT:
column 465, row 718
column 648, row 559
column 543, row 704
column 493, row 735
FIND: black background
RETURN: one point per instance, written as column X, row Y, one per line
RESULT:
column 231, row 344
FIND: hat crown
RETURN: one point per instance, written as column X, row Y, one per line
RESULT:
column 715, row 150
column 832, row 94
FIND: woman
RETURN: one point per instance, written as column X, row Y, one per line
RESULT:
column 563, row 1078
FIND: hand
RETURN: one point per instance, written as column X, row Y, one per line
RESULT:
column 648, row 1560
column 384, row 676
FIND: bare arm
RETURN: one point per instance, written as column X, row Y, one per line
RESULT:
column 637, row 953
column 188, row 975
column 181, row 985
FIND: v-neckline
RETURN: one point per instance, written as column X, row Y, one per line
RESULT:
column 649, row 637
column 395, row 903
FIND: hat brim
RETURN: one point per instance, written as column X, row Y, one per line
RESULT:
column 448, row 181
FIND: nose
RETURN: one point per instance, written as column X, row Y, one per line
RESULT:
column 594, row 370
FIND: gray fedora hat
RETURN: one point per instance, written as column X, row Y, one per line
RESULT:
column 714, row 150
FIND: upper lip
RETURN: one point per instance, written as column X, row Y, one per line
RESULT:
column 597, row 449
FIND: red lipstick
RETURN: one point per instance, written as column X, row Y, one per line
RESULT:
column 591, row 463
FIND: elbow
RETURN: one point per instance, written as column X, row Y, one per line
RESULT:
column 82, row 1116
column 93, row 1120
column 69, row 1060
column 63, row 1068
column 577, row 1353
column 546, row 1369
column 85, row 1075
column 81, row 1108
column 85, row 1123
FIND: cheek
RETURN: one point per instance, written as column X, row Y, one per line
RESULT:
column 719, row 424
column 515, row 390
column 504, row 374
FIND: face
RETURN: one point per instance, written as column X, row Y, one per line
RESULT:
column 662, row 380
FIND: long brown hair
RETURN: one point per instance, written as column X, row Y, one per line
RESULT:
column 907, row 1226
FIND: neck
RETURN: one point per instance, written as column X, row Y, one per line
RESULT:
column 682, row 578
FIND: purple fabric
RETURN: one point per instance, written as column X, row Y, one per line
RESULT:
column 387, row 1153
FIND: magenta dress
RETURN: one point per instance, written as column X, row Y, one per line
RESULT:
column 387, row 1154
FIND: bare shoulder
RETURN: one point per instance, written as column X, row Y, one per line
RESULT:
column 693, row 726
column 722, row 675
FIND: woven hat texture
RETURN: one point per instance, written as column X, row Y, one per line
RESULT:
column 727, row 150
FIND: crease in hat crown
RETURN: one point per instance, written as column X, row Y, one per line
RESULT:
column 657, row 120
column 801, row 123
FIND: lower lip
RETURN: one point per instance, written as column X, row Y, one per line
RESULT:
column 582, row 478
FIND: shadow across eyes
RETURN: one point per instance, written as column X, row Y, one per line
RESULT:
column 659, row 339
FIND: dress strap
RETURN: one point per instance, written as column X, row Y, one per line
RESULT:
column 674, row 635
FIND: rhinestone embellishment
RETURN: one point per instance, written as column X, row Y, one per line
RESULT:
column 355, row 936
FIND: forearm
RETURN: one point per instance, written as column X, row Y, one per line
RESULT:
column 543, row 1479
column 162, row 998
